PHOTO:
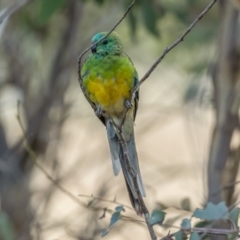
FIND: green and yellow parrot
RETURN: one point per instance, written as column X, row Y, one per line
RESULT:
column 108, row 77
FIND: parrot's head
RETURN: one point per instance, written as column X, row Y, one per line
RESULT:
column 112, row 44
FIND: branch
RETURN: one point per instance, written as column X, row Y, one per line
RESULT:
column 168, row 49
column 33, row 158
column 106, row 200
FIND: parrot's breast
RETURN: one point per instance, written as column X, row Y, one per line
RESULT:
column 108, row 86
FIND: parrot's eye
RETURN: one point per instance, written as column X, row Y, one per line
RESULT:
column 105, row 42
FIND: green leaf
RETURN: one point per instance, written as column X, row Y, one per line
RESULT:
column 149, row 16
column 6, row 228
column 157, row 217
column 185, row 204
column 99, row 2
column 234, row 215
column 114, row 219
column 119, row 209
column 104, row 232
column 202, row 224
column 232, row 236
column 186, row 223
column 212, row 212
column 116, row 216
column 178, row 235
column 194, row 236
column 48, row 8
column 132, row 23
column 91, row 202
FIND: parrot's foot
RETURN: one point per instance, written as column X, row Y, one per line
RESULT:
column 128, row 104
column 98, row 111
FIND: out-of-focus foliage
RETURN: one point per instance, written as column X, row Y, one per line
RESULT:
column 212, row 212
column 6, row 228
column 48, row 8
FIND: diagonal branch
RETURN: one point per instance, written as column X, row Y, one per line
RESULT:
column 169, row 48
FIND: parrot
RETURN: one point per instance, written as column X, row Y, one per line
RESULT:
column 108, row 77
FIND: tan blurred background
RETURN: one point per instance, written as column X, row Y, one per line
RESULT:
column 40, row 43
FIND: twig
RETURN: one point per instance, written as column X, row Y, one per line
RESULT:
column 232, row 184
column 168, row 49
column 106, row 200
column 33, row 158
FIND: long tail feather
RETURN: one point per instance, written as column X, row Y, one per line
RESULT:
column 114, row 147
column 119, row 161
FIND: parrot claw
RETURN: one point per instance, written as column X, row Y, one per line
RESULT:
column 128, row 104
column 98, row 112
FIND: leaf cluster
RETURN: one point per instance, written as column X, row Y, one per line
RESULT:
column 208, row 217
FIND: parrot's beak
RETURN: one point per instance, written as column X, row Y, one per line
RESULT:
column 94, row 49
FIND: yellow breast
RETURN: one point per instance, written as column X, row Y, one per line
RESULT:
column 109, row 94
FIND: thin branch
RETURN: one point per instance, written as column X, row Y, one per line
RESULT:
column 232, row 184
column 168, row 49
column 106, row 200
column 33, row 158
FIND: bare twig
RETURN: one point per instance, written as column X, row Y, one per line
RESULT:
column 168, row 49
column 105, row 200
column 232, row 184
column 33, row 158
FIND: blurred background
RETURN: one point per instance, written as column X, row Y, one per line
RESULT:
column 187, row 127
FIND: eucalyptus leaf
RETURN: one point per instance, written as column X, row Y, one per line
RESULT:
column 48, row 8
column 185, row 204
column 186, row 223
column 178, row 235
column 212, row 212
column 194, row 236
column 157, row 217
column 234, row 215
